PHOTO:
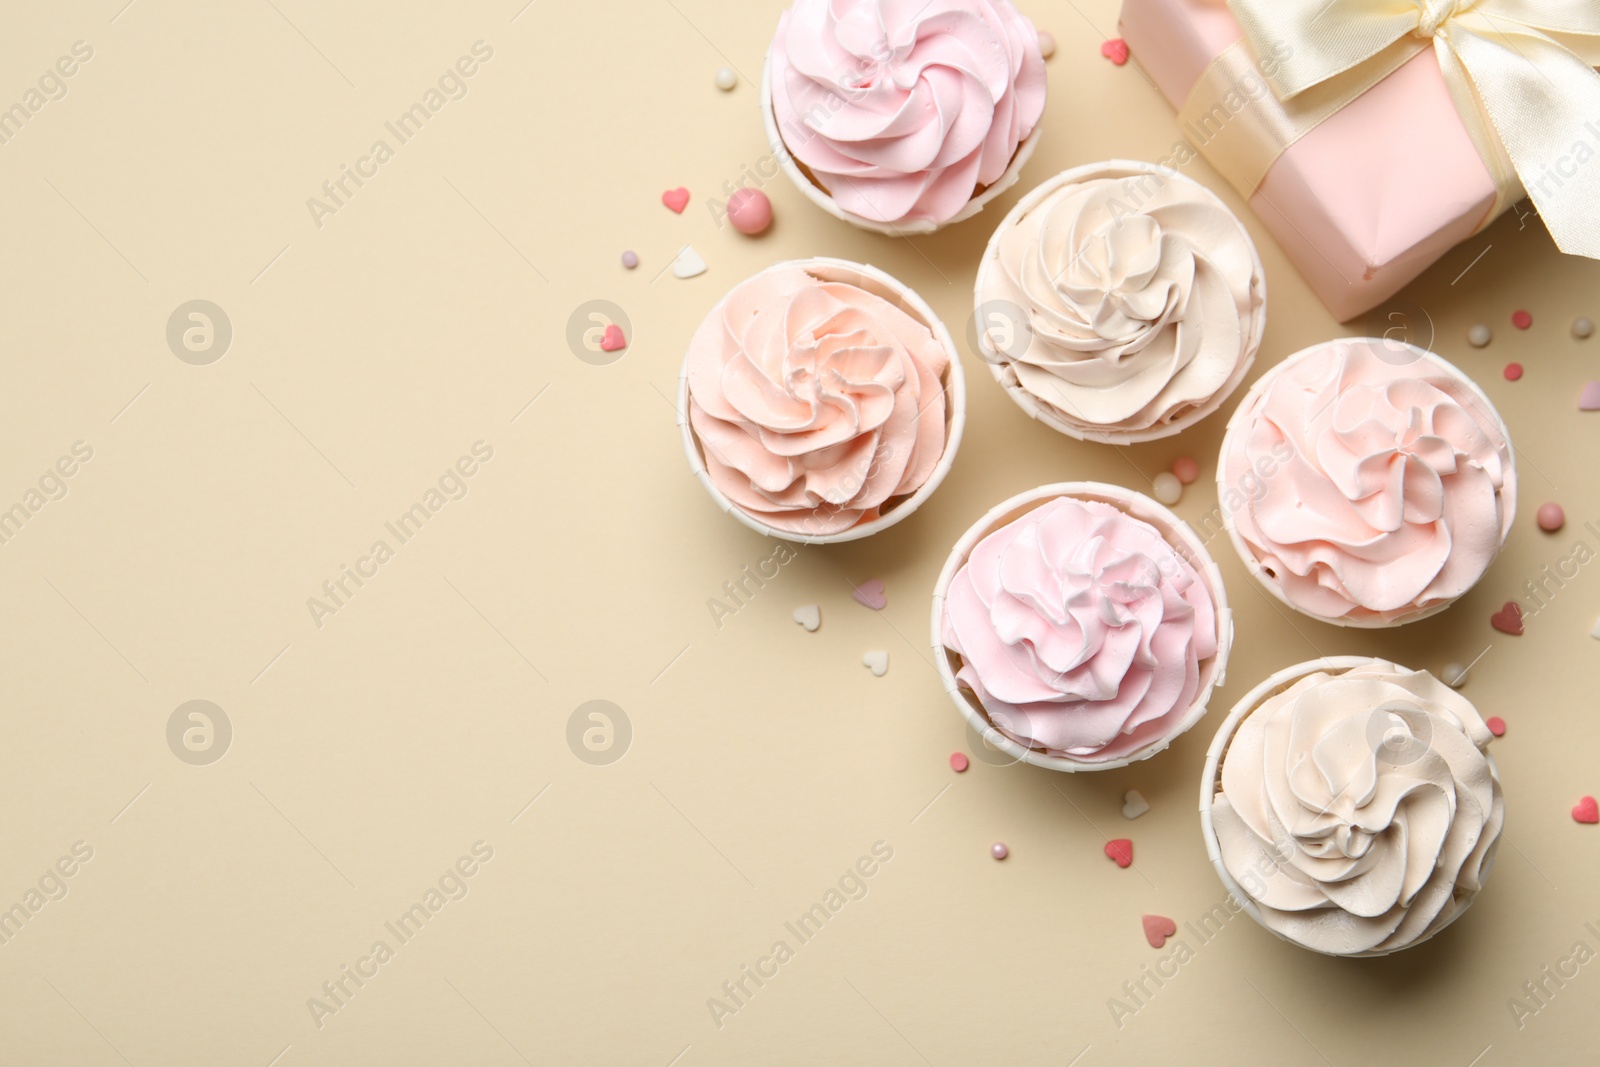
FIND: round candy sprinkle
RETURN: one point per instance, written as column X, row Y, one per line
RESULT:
column 726, row 79
column 1454, row 675
column 1513, row 371
column 1551, row 517
column 1582, row 329
column 1521, row 320
column 630, row 259
column 1186, row 469
column 1047, row 43
column 999, row 851
column 750, row 211
column 958, row 762
column 1496, row 725
column 1479, row 336
column 1168, row 488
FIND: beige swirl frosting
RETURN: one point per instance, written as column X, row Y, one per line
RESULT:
column 1399, row 490
column 1358, row 810
column 816, row 402
column 1140, row 298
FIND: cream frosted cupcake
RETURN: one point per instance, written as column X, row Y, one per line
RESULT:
column 1120, row 302
column 1351, row 805
column 1080, row 626
column 821, row 401
column 1367, row 482
column 903, row 117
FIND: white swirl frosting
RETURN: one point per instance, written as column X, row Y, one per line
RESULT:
column 1140, row 296
column 1358, row 810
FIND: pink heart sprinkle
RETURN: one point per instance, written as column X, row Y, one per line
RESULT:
column 677, row 199
column 1508, row 620
column 870, row 594
column 1589, row 399
column 1121, row 851
column 612, row 339
column 1586, row 810
column 1116, row 50
column 1157, row 928
column 1496, row 725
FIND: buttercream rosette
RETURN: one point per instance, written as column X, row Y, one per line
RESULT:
column 1120, row 302
column 1084, row 623
column 1351, row 805
column 1367, row 482
column 903, row 115
column 822, row 400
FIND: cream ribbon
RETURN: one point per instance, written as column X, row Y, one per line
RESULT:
column 1521, row 73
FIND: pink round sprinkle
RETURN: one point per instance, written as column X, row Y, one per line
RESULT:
column 1186, row 469
column 750, row 211
column 1513, row 371
column 999, row 851
column 958, row 762
column 1496, row 725
column 1521, row 320
column 630, row 259
column 1551, row 517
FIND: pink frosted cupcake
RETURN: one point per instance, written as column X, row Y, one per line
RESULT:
column 1367, row 482
column 823, row 401
column 1083, row 624
column 903, row 117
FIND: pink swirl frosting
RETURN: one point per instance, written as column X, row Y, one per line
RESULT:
column 1081, row 630
column 816, row 402
column 1399, row 487
column 905, row 109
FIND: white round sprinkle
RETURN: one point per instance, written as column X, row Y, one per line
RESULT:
column 1582, row 328
column 726, row 79
column 1479, row 336
column 1047, row 44
column 1168, row 489
column 1454, row 675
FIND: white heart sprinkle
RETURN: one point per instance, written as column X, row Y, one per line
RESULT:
column 809, row 616
column 1134, row 804
column 877, row 662
column 688, row 264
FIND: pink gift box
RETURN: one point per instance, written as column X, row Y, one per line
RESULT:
column 1366, row 201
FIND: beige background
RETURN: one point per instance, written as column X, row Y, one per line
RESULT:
column 368, row 755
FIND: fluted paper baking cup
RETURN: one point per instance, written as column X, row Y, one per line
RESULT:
column 1212, row 771
column 900, row 228
column 1174, row 530
column 895, row 509
column 997, row 361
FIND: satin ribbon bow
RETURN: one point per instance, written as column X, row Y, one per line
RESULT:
column 1521, row 73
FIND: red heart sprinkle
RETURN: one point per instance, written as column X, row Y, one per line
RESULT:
column 1116, row 50
column 612, row 339
column 1521, row 320
column 1508, row 620
column 1157, row 928
column 677, row 199
column 1586, row 810
column 1496, row 725
column 1120, row 850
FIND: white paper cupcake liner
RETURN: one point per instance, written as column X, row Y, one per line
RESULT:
column 902, row 296
column 1212, row 771
column 1176, row 532
column 901, row 228
column 1239, row 425
column 997, row 361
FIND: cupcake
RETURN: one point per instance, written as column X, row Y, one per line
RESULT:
column 1366, row 482
column 1351, row 806
column 821, row 401
column 902, row 118
column 1080, row 626
column 1120, row 302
